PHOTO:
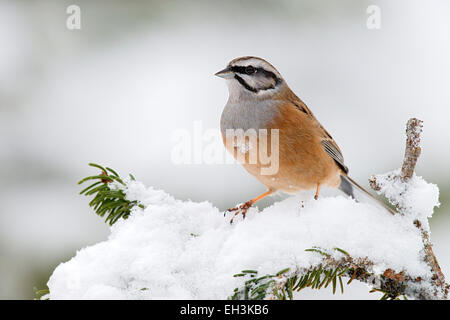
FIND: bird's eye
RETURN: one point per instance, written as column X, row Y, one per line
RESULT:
column 250, row 70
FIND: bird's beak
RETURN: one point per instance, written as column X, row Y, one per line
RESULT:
column 225, row 73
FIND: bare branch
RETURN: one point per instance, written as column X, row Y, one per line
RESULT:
column 412, row 149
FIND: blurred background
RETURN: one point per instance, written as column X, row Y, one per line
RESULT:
column 114, row 91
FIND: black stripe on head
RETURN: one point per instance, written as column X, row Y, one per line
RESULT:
column 239, row 69
column 245, row 84
column 252, row 70
column 249, row 70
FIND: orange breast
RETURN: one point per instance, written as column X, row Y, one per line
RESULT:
column 302, row 161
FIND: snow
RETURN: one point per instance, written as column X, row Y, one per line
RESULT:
column 416, row 198
column 177, row 249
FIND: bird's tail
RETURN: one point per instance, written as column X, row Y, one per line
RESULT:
column 354, row 190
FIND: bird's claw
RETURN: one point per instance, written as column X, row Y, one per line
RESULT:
column 241, row 209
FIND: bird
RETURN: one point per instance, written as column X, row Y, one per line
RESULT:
column 309, row 158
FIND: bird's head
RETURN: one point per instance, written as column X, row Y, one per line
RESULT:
column 251, row 77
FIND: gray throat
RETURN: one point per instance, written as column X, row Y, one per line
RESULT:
column 248, row 114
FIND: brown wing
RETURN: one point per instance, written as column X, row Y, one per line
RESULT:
column 333, row 151
column 329, row 145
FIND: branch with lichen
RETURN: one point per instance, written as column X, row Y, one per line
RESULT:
column 331, row 271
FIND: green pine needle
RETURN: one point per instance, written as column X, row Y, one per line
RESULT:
column 282, row 286
column 259, row 288
column 108, row 202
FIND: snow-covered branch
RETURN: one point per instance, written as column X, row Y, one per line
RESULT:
column 413, row 198
column 173, row 249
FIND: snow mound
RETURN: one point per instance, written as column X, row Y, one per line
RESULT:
column 415, row 198
column 177, row 249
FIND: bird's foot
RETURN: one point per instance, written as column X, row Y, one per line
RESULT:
column 241, row 209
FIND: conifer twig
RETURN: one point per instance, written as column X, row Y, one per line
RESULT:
column 328, row 272
column 108, row 201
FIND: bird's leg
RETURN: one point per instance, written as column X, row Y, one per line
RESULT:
column 243, row 208
column 316, row 196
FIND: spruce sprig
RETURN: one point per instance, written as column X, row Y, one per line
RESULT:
column 315, row 278
column 257, row 288
column 108, row 202
column 282, row 285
